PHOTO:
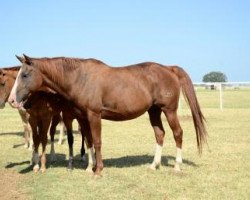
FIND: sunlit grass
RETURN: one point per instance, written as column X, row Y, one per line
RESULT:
column 222, row 172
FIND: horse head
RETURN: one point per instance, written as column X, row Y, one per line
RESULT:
column 7, row 79
column 28, row 79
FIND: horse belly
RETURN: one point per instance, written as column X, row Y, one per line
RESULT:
column 125, row 108
column 116, row 116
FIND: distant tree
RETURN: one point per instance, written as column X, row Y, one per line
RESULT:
column 215, row 77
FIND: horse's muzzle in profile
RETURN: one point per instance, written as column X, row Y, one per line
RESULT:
column 13, row 102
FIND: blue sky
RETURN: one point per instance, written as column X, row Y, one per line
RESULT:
column 200, row 36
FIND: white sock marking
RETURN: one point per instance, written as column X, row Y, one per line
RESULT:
column 92, row 160
column 178, row 155
column 157, row 157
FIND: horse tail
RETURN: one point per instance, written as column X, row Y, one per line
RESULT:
column 191, row 99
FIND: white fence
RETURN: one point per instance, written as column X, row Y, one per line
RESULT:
column 225, row 87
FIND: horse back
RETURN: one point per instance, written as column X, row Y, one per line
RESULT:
column 127, row 92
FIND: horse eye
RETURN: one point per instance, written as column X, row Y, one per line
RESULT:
column 24, row 75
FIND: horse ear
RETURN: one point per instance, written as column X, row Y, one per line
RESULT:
column 22, row 60
column 27, row 59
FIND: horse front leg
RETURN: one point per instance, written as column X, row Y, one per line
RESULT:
column 36, row 141
column 95, row 127
column 55, row 120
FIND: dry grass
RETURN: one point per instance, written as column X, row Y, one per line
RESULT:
column 221, row 173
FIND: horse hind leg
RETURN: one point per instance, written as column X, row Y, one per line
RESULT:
column 27, row 136
column 43, row 130
column 62, row 132
column 31, row 145
column 68, row 123
column 178, row 133
column 155, row 120
column 54, row 123
column 81, row 129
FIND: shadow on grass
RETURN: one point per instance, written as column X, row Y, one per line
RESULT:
column 18, row 145
column 12, row 133
column 130, row 161
column 61, row 162
column 122, row 162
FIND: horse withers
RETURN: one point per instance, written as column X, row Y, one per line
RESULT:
column 129, row 92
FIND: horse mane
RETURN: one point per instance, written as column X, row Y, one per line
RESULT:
column 14, row 68
column 66, row 62
column 57, row 66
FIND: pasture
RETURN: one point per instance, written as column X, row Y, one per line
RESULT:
column 222, row 172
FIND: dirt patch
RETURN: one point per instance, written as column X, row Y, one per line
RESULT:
column 10, row 182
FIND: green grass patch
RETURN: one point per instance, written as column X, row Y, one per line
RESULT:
column 222, row 172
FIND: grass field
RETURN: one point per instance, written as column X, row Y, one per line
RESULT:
column 222, row 172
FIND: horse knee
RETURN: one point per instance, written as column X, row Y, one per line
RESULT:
column 178, row 137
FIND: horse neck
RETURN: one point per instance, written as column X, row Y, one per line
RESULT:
column 54, row 79
column 62, row 79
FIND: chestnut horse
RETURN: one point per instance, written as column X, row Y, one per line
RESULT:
column 44, row 108
column 7, row 79
column 41, row 109
column 115, row 93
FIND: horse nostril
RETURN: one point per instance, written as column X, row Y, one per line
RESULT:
column 11, row 101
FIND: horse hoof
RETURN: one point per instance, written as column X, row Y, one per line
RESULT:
column 177, row 168
column 154, row 167
column 35, row 169
column 70, row 168
column 42, row 170
column 97, row 175
column 89, row 170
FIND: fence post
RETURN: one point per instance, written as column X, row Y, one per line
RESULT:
column 221, row 97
